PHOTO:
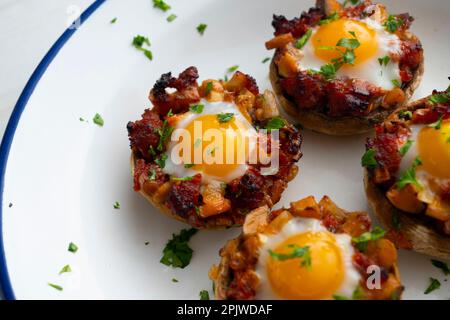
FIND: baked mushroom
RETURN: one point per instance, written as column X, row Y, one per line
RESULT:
column 203, row 154
column 341, row 69
column 407, row 175
column 309, row 251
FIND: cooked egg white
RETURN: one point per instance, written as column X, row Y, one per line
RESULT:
column 375, row 43
column 331, row 271
column 220, row 160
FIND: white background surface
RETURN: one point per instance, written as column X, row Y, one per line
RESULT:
column 28, row 28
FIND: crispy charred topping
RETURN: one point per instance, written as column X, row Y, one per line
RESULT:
column 384, row 153
column 242, row 253
column 345, row 97
column 204, row 204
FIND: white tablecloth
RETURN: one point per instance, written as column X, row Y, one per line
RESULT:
column 28, row 28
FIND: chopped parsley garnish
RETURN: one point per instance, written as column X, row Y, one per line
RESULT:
column 161, row 161
column 275, row 123
column 434, row 285
column 201, row 28
column 138, row 43
column 10, row 205
column 177, row 252
column 368, row 159
column 328, row 71
column 358, row 294
column 448, row 139
column 152, row 175
column 405, row 148
column 188, row 165
column 182, row 179
column 208, row 88
column 225, row 117
column 65, row 269
column 405, row 114
column 82, row 119
column 440, row 97
column 72, row 247
column 175, row 280
column 438, row 124
column 393, row 23
column 98, row 120
column 303, row 40
column 297, row 252
column 441, row 265
column 198, row 108
column 161, row 4
column 151, row 150
column 266, row 59
column 396, row 83
column 384, row 60
column 147, row 243
column 232, row 69
column 116, row 205
column 114, row 20
column 339, row 297
column 171, row 17
column 204, row 295
column 362, row 241
column 329, row 19
column 409, row 176
column 353, row 2
column 165, row 132
column 55, row 286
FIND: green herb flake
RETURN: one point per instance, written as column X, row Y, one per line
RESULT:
column 116, row 205
column 353, row 2
column 368, row 159
column 204, row 295
column 198, row 108
column 164, row 132
column 266, row 59
column 329, row 19
column 188, row 165
column 297, row 252
column 177, row 252
column 139, row 41
column 72, row 247
column 171, row 17
column 440, row 98
column 339, row 297
column 396, row 83
column 82, row 119
column 304, row 39
column 161, row 161
column 358, row 293
column 438, row 124
column 65, row 269
column 114, row 20
column 182, row 179
column 152, row 175
column 275, row 123
column 442, row 266
column 208, row 88
column 409, row 176
column 405, row 148
column 395, row 222
column 98, row 120
column 405, row 114
column 201, row 28
column 232, row 69
column 225, row 117
column 384, row 61
column 362, row 241
column 175, row 280
column 161, row 4
column 55, row 286
column 393, row 23
column 147, row 243
column 434, row 285
column 347, row 43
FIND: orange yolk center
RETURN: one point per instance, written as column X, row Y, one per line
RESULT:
column 328, row 35
column 434, row 150
column 217, row 148
column 320, row 280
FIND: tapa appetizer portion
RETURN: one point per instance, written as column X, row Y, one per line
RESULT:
column 407, row 175
column 219, row 188
column 308, row 251
column 340, row 69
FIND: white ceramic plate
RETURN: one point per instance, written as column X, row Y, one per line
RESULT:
column 63, row 175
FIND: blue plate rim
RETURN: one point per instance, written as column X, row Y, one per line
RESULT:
column 6, row 289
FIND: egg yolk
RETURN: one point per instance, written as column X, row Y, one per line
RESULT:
column 290, row 280
column 328, row 35
column 220, row 150
column 434, row 150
